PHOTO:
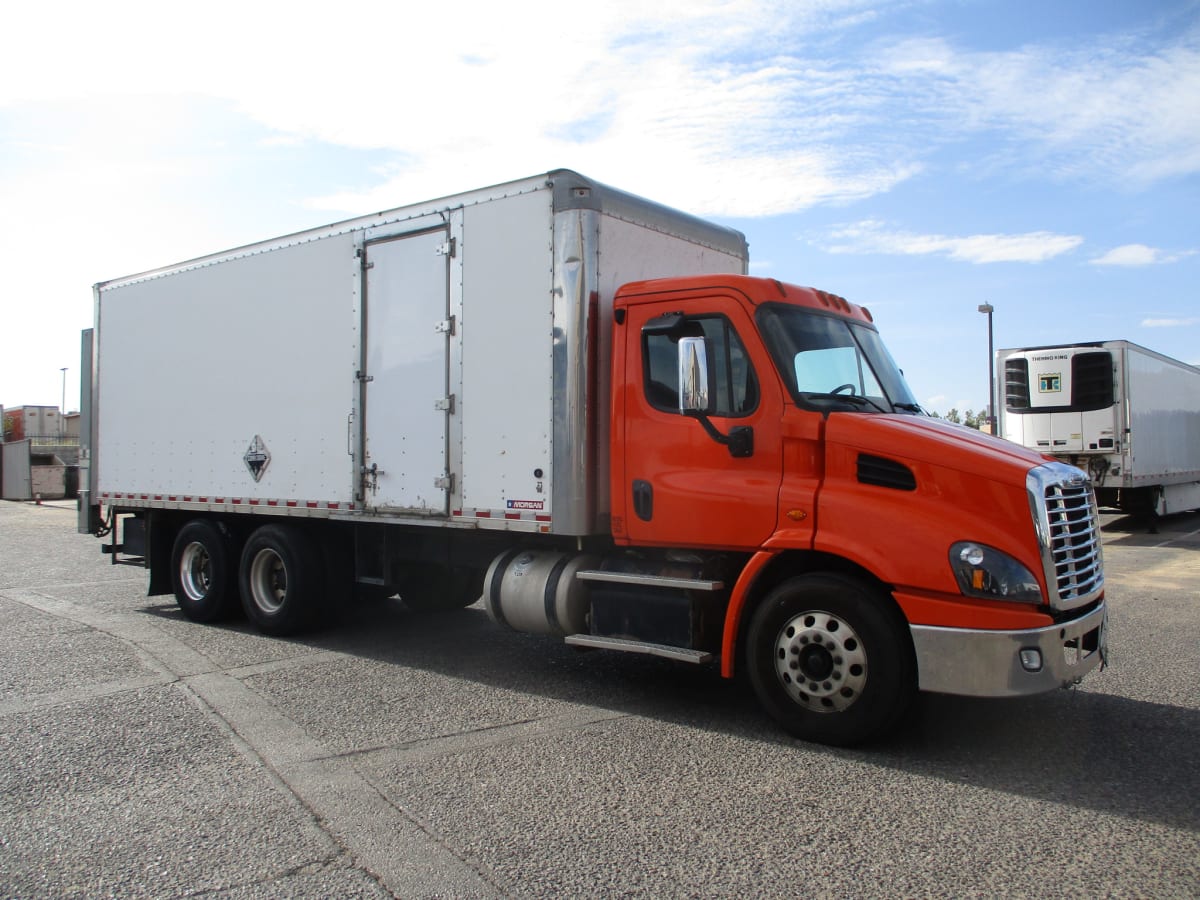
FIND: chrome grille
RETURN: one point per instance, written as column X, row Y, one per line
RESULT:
column 1064, row 509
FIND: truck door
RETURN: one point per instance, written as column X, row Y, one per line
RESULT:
column 406, row 379
column 681, row 487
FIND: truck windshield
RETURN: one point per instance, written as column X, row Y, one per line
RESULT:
column 829, row 362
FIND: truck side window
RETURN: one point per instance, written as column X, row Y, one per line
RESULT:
column 734, row 385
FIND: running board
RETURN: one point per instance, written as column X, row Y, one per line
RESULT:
column 662, row 581
column 597, row 642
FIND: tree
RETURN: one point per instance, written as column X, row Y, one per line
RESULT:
column 970, row 418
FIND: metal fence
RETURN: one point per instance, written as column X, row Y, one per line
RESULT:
column 53, row 440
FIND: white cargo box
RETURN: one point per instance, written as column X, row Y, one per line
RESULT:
column 446, row 362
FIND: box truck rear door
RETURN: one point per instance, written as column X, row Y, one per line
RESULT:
column 407, row 403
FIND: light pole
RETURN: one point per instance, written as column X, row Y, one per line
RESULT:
column 987, row 309
column 62, row 410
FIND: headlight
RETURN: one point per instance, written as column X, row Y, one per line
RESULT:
column 987, row 573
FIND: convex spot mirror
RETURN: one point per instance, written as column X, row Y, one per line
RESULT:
column 694, row 396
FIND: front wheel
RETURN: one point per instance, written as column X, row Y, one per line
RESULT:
column 280, row 580
column 831, row 659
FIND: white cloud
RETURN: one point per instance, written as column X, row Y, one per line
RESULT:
column 729, row 103
column 1137, row 255
column 873, row 237
column 1094, row 109
column 726, row 107
column 1170, row 323
column 681, row 99
column 1129, row 255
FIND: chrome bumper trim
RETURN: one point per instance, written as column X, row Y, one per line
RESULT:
column 976, row 663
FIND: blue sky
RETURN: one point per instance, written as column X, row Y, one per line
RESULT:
column 919, row 158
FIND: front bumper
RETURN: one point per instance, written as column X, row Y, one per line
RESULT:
column 977, row 663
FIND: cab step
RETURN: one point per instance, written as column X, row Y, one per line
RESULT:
column 657, row 581
column 626, row 645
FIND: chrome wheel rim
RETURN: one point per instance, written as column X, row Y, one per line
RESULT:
column 268, row 581
column 195, row 571
column 820, row 662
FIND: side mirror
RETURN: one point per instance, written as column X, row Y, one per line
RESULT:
column 696, row 401
column 693, row 376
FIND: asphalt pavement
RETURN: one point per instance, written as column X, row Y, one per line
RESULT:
column 434, row 755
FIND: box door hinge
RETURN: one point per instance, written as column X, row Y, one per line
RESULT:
column 446, row 404
column 445, row 482
column 448, row 248
column 370, row 478
column 446, row 326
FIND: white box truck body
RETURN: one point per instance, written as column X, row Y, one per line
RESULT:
column 444, row 362
column 1128, row 415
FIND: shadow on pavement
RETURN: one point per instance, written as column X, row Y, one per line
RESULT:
column 1177, row 530
column 1080, row 748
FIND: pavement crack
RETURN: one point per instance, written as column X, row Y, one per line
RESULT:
column 314, row 867
column 434, row 739
column 350, row 811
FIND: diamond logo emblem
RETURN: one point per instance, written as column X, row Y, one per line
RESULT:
column 257, row 458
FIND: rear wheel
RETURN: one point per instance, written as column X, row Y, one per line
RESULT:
column 202, row 573
column 831, row 659
column 280, row 579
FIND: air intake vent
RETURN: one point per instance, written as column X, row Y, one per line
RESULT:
column 886, row 473
column 1092, row 380
column 1016, row 384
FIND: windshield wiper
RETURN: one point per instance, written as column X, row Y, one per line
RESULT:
column 911, row 407
column 853, row 399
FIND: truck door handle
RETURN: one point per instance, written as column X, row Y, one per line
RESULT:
column 643, row 500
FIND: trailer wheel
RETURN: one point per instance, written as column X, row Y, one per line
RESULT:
column 831, row 659
column 280, row 579
column 442, row 588
column 202, row 574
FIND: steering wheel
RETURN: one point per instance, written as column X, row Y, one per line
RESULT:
column 849, row 388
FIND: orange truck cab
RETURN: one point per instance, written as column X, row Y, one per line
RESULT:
column 836, row 543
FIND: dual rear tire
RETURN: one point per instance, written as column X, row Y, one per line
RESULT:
column 280, row 580
column 203, row 571
column 276, row 578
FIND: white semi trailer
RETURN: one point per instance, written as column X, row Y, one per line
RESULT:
column 1128, row 415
